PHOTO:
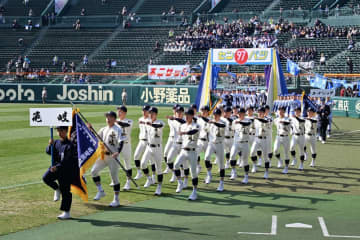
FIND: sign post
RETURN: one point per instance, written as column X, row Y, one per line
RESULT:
column 51, row 117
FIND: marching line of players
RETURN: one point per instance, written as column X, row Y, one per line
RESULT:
column 230, row 133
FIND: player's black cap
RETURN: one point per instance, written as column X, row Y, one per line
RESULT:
column 190, row 111
column 282, row 108
column 110, row 114
column 310, row 109
column 242, row 110
column 62, row 128
column 175, row 106
column 237, row 106
column 122, row 108
column 154, row 110
column 146, row 108
column 262, row 109
column 228, row 109
column 217, row 111
column 267, row 107
column 180, row 109
column 193, row 106
column 250, row 108
column 298, row 109
column 206, row 108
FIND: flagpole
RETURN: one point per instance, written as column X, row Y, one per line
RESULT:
column 52, row 146
column 107, row 147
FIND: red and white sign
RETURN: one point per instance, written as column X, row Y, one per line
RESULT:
column 168, row 71
column 241, row 56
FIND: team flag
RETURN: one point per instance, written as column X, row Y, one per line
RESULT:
column 89, row 149
column 275, row 80
column 207, row 83
column 292, row 67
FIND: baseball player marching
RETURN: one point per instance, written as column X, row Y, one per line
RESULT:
column 188, row 132
column 175, row 146
column 260, row 140
column 251, row 118
column 203, row 140
column 171, row 137
column 216, row 146
column 126, row 126
column 282, row 124
column 140, row 148
column 241, row 127
column 229, row 134
column 310, row 135
column 113, row 137
column 298, row 130
column 153, row 151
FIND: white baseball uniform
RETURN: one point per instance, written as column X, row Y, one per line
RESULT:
column 269, row 135
column 170, row 140
column 153, row 151
column 310, row 134
column 282, row 136
column 175, row 146
column 241, row 140
column 229, row 134
column 298, row 130
column 203, row 139
column 260, row 142
column 140, row 148
column 188, row 154
column 112, row 136
column 216, row 143
column 126, row 126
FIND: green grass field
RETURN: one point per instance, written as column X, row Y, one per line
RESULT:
column 330, row 191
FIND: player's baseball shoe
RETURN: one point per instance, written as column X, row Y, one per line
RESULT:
column 233, row 174
column 293, row 162
column 153, row 179
column 64, row 216
column 305, row 156
column 266, row 174
column 173, row 178
column 227, row 164
column 148, row 182
column 57, row 195
column 286, row 170
column 138, row 175
column 208, row 178
column 185, row 183
column 127, row 185
column 193, row 195
column 241, row 163
column 198, row 169
column 301, row 166
column 158, row 190
column 312, row 164
column 99, row 195
column 245, row 180
column 115, row 203
column 259, row 162
column 220, row 187
column 254, row 168
column 280, row 164
column 167, row 170
column 179, row 187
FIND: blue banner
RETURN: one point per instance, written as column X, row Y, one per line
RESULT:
column 292, row 67
column 318, row 81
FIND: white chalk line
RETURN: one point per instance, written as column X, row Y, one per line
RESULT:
column 326, row 232
column 273, row 228
column 340, row 134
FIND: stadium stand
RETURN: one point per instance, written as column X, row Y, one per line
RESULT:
column 245, row 5
column 18, row 8
column 160, row 6
column 296, row 4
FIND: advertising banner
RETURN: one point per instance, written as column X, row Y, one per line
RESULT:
column 53, row 117
column 168, row 71
column 249, row 56
column 346, row 107
column 322, row 92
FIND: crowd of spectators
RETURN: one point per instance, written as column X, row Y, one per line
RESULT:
column 300, row 54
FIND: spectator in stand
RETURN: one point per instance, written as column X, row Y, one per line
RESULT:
column 44, row 95
column 349, row 92
column 29, row 25
column 337, row 10
column 2, row 9
column 64, row 67
column 157, row 46
column 124, row 11
column 15, row 24
column 83, row 12
column 42, row 75
column 342, row 92
column 26, row 3
column 171, row 33
column 77, row 25
column 73, row 67
column 172, row 10
column 31, row 13
column 322, row 60
column 350, row 64
column 108, row 65
column 53, row 18
column 55, row 60
column 85, row 60
column 327, row 10
column 66, row 79
column 2, row 19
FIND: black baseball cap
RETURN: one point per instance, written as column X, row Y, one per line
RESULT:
column 175, row 106
column 250, row 107
column 262, row 109
column 282, row 108
column 242, row 110
column 62, row 128
column 217, row 111
column 237, row 106
column 179, row 109
column 298, row 109
column 122, row 108
column 206, row 108
column 111, row 114
column 190, row 111
column 154, row 110
column 146, row 108
column 310, row 109
column 193, row 106
column 267, row 107
column 228, row 109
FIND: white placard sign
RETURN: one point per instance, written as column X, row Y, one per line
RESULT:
column 322, row 92
column 40, row 117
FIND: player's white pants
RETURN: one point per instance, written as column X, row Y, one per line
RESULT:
column 282, row 141
column 202, row 146
column 218, row 149
column 298, row 140
column 251, row 140
column 126, row 155
column 242, row 147
column 173, row 152
column 140, row 149
column 312, row 141
column 269, row 143
column 259, row 144
column 168, row 145
column 107, row 162
column 154, row 155
column 187, row 159
column 228, row 143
